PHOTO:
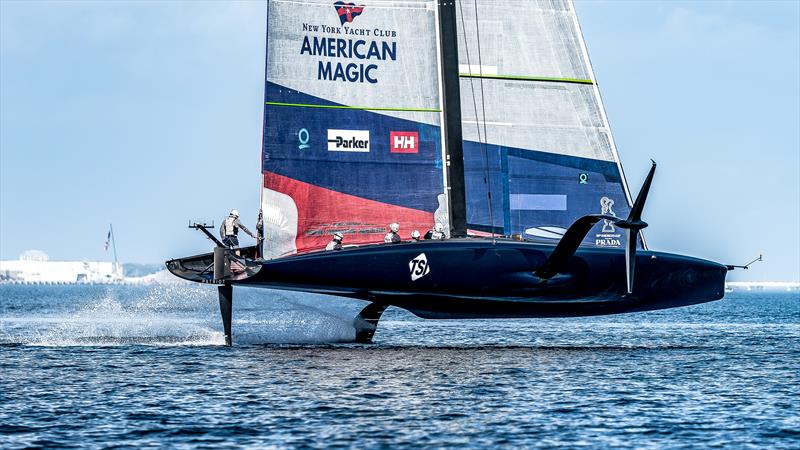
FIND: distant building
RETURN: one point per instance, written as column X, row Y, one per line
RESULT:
column 34, row 266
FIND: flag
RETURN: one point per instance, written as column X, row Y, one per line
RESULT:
column 347, row 11
column 108, row 241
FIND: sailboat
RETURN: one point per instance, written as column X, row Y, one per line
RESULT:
column 483, row 116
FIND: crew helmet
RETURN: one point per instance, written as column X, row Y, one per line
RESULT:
column 438, row 227
column 337, row 236
column 395, row 227
column 415, row 234
column 235, row 212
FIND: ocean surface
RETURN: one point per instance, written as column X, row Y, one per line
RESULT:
column 122, row 366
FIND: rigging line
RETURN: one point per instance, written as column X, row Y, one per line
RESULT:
column 483, row 110
column 481, row 144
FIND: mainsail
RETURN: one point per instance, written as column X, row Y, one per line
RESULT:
column 538, row 151
column 354, row 107
column 352, row 138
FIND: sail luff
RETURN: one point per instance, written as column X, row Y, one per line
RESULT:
column 260, row 225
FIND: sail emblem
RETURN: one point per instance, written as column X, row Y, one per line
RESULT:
column 348, row 11
column 605, row 208
column 419, row 267
column 608, row 236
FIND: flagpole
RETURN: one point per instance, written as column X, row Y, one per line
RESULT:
column 113, row 242
column 114, row 247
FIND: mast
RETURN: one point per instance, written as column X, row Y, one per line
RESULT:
column 451, row 112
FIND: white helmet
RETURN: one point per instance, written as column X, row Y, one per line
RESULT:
column 415, row 234
column 438, row 227
column 395, row 227
column 235, row 212
column 337, row 236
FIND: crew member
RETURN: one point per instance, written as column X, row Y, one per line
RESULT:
column 415, row 236
column 436, row 233
column 392, row 237
column 229, row 231
column 336, row 242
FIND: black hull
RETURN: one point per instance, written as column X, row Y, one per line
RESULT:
column 479, row 278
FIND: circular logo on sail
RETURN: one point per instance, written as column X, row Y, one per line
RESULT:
column 303, row 137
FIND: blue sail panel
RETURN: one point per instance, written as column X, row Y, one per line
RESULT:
column 536, row 194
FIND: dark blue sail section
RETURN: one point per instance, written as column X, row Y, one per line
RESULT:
column 297, row 147
column 549, row 190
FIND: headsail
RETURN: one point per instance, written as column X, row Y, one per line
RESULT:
column 538, row 151
column 352, row 138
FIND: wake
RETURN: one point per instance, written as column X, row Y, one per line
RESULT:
column 175, row 316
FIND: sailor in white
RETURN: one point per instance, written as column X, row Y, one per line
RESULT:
column 415, row 236
column 229, row 230
column 436, row 233
column 392, row 237
column 336, row 242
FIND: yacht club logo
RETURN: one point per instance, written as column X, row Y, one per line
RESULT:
column 347, row 11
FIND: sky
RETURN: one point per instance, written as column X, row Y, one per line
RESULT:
column 148, row 114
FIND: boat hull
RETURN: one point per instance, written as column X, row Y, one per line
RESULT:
column 481, row 278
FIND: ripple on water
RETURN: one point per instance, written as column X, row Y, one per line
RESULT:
column 136, row 367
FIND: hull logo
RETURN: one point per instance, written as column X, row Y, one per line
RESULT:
column 404, row 142
column 348, row 141
column 419, row 267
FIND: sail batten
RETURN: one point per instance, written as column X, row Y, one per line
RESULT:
column 363, row 108
column 525, row 78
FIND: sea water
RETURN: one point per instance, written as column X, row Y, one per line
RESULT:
column 100, row 366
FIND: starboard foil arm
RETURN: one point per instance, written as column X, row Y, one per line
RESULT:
column 574, row 235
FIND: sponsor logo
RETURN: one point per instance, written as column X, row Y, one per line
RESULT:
column 605, row 208
column 608, row 237
column 303, row 138
column 347, row 11
column 583, row 178
column 404, row 142
column 348, row 140
column 419, row 267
